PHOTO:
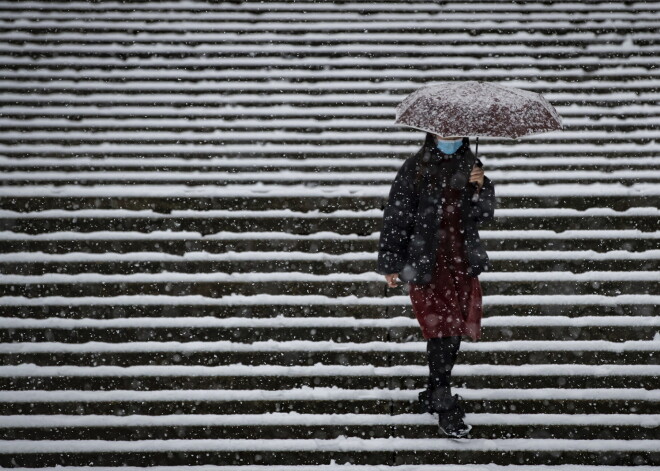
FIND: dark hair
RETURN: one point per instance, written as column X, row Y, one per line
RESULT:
column 425, row 153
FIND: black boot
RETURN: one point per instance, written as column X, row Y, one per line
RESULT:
column 437, row 397
column 434, row 401
column 449, row 410
column 441, row 356
column 450, row 420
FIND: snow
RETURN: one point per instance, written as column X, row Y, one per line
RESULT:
column 302, row 176
column 576, row 7
column 540, row 213
column 587, row 370
column 485, row 23
column 234, row 299
column 280, row 321
column 359, row 45
column 342, row 443
column 306, row 393
column 354, row 467
column 294, row 418
column 292, row 63
column 220, row 94
column 331, row 346
column 285, row 175
column 298, row 276
column 186, row 235
column 397, row 83
column 620, row 103
column 274, row 147
column 527, row 190
column 230, row 255
column 311, row 162
column 322, row 235
column 476, row 108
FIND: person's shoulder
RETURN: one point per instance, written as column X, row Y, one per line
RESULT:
column 408, row 165
column 415, row 159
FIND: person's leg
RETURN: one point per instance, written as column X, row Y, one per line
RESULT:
column 441, row 353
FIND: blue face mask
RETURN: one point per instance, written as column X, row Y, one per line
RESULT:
column 449, row 147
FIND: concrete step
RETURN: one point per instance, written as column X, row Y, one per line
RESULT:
column 163, row 198
column 216, row 284
column 499, row 158
column 320, row 400
column 345, row 329
column 181, row 242
column 39, row 263
column 341, row 221
column 39, row 177
column 289, row 425
column 187, row 237
column 570, row 307
column 238, row 376
column 296, row 7
column 305, row 352
column 361, row 451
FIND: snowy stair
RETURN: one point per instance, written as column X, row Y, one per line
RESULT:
column 190, row 200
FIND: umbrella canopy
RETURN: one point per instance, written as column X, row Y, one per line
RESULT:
column 475, row 108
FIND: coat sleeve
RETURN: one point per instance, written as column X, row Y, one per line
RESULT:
column 483, row 210
column 398, row 224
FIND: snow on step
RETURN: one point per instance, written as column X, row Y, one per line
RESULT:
column 281, row 105
column 297, row 276
column 331, row 346
column 195, row 60
column 31, row 370
column 319, row 300
column 540, row 213
column 285, row 175
column 605, row 85
column 517, row 42
column 526, row 190
column 274, row 148
column 312, row 162
column 290, row 418
column 198, row 60
column 354, row 467
column 352, row 444
column 83, row 257
column 334, row 393
column 303, row 176
column 20, row 82
column 281, row 321
column 275, row 13
column 484, row 24
column 228, row 235
column 312, row 6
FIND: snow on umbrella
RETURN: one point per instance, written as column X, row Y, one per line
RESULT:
column 475, row 108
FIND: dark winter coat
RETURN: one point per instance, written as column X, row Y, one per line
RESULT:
column 410, row 230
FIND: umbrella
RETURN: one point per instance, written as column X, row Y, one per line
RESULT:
column 475, row 108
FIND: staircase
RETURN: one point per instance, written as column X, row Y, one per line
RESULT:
column 191, row 202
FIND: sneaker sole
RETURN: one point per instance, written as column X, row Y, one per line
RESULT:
column 448, row 435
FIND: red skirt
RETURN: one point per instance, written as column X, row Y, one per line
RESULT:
column 452, row 303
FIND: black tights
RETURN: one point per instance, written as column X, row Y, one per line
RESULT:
column 441, row 353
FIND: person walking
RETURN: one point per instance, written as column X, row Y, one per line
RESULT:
column 430, row 239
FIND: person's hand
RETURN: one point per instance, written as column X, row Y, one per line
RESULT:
column 392, row 280
column 477, row 175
